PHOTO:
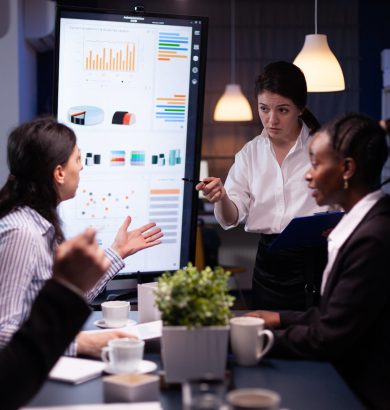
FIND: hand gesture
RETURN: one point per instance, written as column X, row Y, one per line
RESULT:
column 91, row 343
column 212, row 188
column 129, row 242
column 80, row 261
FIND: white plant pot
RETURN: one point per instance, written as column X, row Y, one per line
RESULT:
column 193, row 353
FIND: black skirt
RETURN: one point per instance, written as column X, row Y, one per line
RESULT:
column 289, row 279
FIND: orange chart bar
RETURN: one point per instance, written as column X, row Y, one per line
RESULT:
column 167, row 55
column 176, row 100
column 112, row 60
column 164, row 191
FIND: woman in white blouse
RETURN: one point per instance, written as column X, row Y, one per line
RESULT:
column 265, row 188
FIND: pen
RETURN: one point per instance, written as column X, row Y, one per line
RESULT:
column 194, row 181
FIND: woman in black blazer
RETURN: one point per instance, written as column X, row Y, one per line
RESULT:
column 351, row 326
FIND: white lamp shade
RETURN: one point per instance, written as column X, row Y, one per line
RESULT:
column 320, row 66
column 233, row 106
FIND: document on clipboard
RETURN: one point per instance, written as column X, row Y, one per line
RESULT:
column 306, row 231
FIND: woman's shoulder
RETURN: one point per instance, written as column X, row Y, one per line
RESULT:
column 377, row 221
column 21, row 221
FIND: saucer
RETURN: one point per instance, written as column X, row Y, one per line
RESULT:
column 146, row 366
column 101, row 323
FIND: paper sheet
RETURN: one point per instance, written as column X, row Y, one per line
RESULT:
column 153, row 405
column 74, row 370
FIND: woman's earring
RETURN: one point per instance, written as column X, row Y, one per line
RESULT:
column 346, row 185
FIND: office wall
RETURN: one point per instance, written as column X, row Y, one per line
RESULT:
column 374, row 36
column 20, row 21
column 265, row 31
column 9, row 76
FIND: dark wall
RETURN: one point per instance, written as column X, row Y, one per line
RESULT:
column 374, row 36
column 266, row 31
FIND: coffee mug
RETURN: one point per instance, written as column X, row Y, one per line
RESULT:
column 253, row 399
column 115, row 313
column 247, row 336
column 123, row 355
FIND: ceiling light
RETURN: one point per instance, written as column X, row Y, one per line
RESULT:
column 318, row 63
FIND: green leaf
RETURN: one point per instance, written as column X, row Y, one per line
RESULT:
column 193, row 298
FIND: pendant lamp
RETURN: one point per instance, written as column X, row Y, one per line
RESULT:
column 318, row 63
column 232, row 105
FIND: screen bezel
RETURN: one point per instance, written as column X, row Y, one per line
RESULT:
column 193, row 150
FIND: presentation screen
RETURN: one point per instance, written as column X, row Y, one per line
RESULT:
column 131, row 87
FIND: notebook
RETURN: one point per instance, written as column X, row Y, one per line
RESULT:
column 75, row 370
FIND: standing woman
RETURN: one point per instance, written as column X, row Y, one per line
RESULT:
column 44, row 163
column 265, row 188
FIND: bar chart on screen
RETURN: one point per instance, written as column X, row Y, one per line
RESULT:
column 110, row 56
column 130, row 87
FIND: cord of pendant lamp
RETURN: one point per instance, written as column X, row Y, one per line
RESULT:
column 233, row 105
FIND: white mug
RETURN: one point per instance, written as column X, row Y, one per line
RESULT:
column 253, row 399
column 123, row 355
column 115, row 313
column 247, row 336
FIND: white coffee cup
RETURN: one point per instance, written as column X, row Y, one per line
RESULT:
column 253, row 399
column 115, row 313
column 123, row 355
column 247, row 337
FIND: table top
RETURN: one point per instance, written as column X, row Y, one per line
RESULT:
column 301, row 384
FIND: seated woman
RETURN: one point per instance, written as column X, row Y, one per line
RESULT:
column 350, row 327
column 44, row 163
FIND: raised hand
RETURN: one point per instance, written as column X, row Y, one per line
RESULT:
column 129, row 242
column 80, row 261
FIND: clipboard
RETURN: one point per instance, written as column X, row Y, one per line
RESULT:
column 306, row 231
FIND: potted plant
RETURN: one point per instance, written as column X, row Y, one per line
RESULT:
column 195, row 310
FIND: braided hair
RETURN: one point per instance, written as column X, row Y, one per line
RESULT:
column 363, row 139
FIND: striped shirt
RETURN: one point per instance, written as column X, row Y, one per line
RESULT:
column 26, row 261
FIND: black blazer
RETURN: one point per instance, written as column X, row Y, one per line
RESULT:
column 351, row 327
column 56, row 317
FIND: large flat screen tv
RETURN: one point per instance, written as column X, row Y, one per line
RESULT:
column 131, row 86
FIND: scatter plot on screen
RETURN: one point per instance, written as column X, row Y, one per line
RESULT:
column 104, row 203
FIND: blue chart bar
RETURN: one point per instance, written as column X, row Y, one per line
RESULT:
column 173, row 47
column 175, row 40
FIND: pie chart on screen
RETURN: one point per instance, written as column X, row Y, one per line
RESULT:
column 85, row 115
column 123, row 118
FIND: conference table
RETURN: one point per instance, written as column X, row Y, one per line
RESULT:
column 303, row 385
